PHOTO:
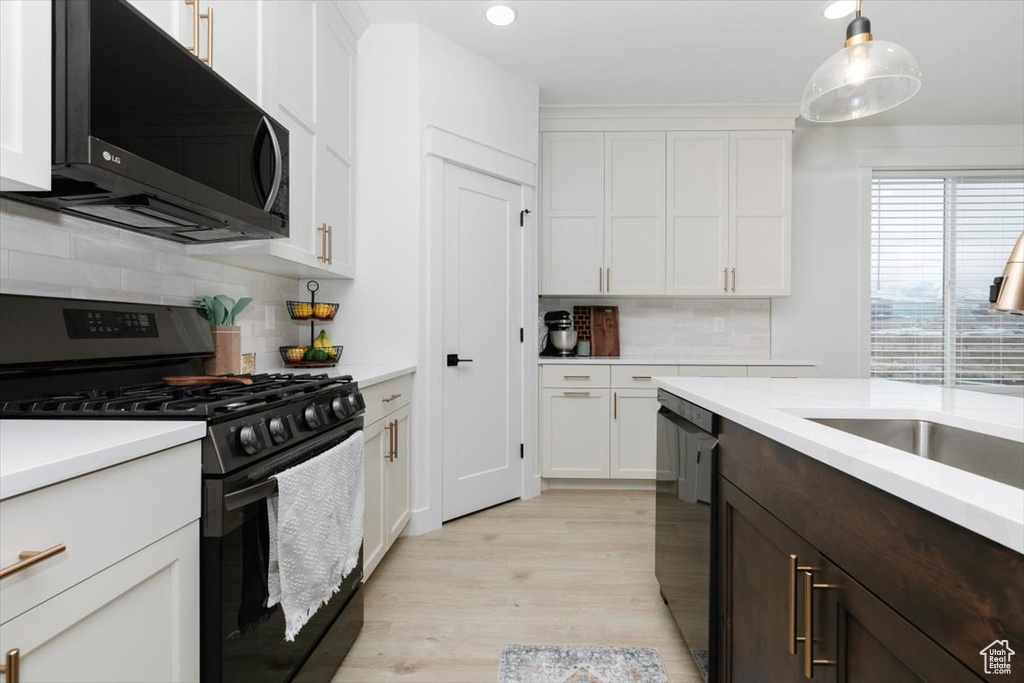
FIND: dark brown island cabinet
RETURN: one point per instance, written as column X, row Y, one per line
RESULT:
column 823, row 577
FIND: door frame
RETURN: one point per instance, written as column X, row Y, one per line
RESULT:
column 427, row 476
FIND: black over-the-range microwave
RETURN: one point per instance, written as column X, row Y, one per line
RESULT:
column 148, row 138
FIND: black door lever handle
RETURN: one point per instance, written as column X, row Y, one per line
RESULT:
column 454, row 360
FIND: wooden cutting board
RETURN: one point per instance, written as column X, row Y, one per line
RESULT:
column 604, row 329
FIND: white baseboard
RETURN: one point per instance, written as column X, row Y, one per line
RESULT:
column 600, row 484
column 420, row 522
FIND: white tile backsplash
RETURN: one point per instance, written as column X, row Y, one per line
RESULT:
column 49, row 254
column 685, row 327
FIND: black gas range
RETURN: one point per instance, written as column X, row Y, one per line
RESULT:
column 76, row 359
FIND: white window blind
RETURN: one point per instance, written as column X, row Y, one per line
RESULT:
column 937, row 241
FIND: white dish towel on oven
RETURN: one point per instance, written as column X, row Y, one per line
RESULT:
column 316, row 528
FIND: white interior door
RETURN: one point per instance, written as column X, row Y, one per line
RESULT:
column 482, row 303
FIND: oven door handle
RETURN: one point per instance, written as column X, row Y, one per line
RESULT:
column 250, row 494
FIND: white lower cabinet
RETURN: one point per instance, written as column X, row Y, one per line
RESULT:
column 388, row 447
column 118, row 600
column 633, row 433
column 396, row 475
column 574, row 433
column 600, row 421
column 135, row 621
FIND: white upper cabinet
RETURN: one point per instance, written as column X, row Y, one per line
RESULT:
column 759, row 223
column 168, row 15
column 335, row 191
column 25, row 95
column 572, row 222
column 234, row 27
column 697, row 239
column 307, row 58
column 649, row 213
column 634, row 213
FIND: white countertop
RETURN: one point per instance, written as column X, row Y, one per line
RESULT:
column 365, row 375
column 670, row 360
column 776, row 408
column 37, row 453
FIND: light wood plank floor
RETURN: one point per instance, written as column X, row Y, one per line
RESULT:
column 565, row 568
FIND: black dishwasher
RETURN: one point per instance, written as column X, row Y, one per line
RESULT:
column 686, row 523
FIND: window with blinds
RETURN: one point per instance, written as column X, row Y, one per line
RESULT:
column 937, row 242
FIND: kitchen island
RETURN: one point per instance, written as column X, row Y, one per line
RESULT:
column 840, row 557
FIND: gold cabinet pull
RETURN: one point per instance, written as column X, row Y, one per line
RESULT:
column 600, row 279
column 391, row 441
column 576, row 377
column 809, row 661
column 322, row 256
column 27, row 558
column 391, row 398
column 575, row 393
column 208, row 15
column 615, row 406
column 10, row 668
column 734, row 279
column 641, row 378
column 194, row 47
column 607, row 279
column 794, row 570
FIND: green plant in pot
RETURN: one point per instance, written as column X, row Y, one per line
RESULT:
column 221, row 311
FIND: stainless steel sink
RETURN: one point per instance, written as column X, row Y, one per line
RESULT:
column 991, row 457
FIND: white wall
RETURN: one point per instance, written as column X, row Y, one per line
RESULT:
column 46, row 253
column 826, row 318
column 462, row 93
column 409, row 81
column 378, row 318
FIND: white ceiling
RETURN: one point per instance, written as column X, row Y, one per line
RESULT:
column 737, row 51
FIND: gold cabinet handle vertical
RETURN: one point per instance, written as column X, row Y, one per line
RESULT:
column 194, row 47
column 607, row 279
column 725, row 279
column 615, row 405
column 600, row 279
column 809, row 661
column 27, row 558
column 322, row 229
column 208, row 15
column 391, row 441
column 794, row 570
column 10, row 668
column 734, row 279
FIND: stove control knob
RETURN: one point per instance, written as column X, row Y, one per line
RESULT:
column 340, row 408
column 278, row 433
column 249, row 440
column 311, row 417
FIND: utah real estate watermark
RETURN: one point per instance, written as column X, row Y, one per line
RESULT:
column 997, row 657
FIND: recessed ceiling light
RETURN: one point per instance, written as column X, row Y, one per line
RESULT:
column 501, row 13
column 838, row 8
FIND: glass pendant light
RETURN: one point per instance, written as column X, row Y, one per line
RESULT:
column 866, row 77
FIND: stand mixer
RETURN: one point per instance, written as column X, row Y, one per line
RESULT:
column 561, row 338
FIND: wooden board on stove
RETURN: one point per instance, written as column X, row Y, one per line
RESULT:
column 604, row 328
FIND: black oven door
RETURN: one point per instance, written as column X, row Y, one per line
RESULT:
column 242, row 640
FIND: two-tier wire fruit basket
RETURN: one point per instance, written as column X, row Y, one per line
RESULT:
column 320, row 353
